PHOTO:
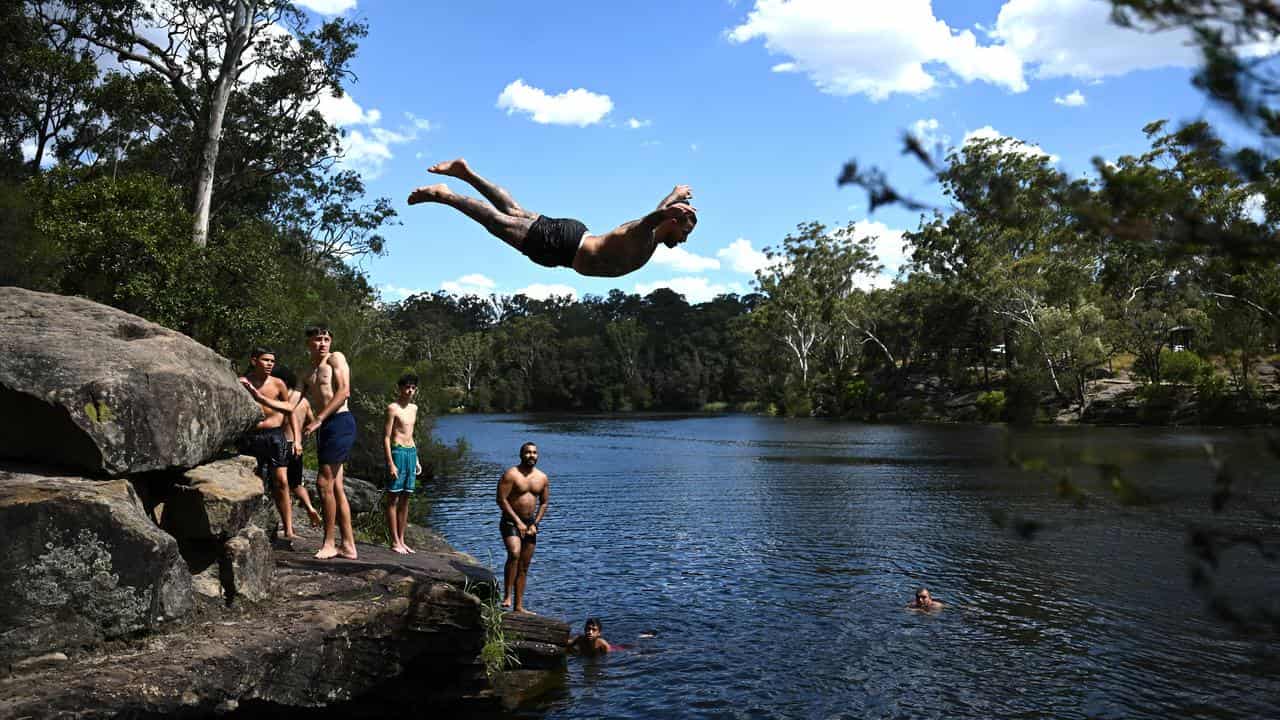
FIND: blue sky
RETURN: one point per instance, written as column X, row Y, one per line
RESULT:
column 595, row 110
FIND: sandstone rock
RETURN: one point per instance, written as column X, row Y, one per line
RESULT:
column 82, row 563
column 360, row 647
column 91, row 387
column 247, row 565
column 214, row 500
column 362, row 495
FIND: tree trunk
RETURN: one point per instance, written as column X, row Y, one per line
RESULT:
column 236, row 45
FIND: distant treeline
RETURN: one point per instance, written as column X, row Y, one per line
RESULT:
column 149, row 179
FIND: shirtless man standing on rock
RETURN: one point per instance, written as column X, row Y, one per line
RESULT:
column 523, row 494
column 327, row 387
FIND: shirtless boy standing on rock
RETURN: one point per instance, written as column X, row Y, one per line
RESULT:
column 327, row 386
column 266, row 442
column 523, row 494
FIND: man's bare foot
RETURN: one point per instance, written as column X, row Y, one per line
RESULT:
column 314, row 517
column 428, row 193
column 348, row 551
column 400, row 549
column 406, row 547
column 454, row 168
column 506, row 602
column 524, row 611
column 326, row 551
column 288, row 537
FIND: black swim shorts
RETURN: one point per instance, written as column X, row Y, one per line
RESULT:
column 268, row 447
column 553, row 242
column 295, row 468
column 508, row 529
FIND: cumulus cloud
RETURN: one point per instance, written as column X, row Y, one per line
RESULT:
column 541, row 291
column 635, row 124
column 573, row 107
column 873, row 48
column 326, row 7
column 987, row 132
column 1255, row 208
column 1076, row 38
column 694, row 289
column 929, row 132
column 743, row 258
column 684, row 261
column 366, row 145
column 876, row 49
column 392, row 292
column 473, row 284
column 1072, row 99
column 888, row 246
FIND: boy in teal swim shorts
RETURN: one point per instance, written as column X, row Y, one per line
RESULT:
column 403, row 467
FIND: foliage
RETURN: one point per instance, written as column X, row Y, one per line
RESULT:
column 991, row 405
column 1183, row 367
column 496, row 655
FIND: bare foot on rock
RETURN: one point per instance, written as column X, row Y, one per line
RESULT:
column 453, row 168
column 428, row 193
column 348, row 551
column 326, row 551
column 506, row 603
column 406, row 547
column 314, row 517
column 400, row 549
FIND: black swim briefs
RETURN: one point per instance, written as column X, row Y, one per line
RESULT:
column 553, row 242
column 508, row 529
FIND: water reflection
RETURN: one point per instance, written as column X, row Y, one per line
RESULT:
column 774, row 559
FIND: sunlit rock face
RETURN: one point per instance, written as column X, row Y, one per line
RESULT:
column 89, row 387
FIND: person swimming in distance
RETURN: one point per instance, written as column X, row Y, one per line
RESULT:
column 924, row 602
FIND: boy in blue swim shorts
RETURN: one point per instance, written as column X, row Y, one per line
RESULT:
column 403, row 467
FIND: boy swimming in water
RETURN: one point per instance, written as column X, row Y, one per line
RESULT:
column 590, row 641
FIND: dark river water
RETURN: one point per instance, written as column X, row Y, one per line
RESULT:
column 771, row 560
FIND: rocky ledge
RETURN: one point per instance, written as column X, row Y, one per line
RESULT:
column 359, row 637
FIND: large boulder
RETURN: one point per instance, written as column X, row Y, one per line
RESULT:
column 362, row 495
column 87, row 386
column 213, row 501
column 82, row 563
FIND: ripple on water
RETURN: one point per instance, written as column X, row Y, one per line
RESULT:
column 773, row 559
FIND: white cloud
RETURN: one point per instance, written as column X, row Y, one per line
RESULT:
column 1076, row 38
column 873, row 48
column 326, row 7
column 368, row 150
column 473, row 284
column 683, row 261
column 393, row 292
column 694, row 289
column 540, row 291
column 344, row 111
column 1255, row 208
column 887, row 246
column 1073, row 99
column 636, row 124
column 573, row 107
column 742, row 257
column 989, row 133
column 928, row 132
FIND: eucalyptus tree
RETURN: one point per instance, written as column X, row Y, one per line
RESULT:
column 209, row 51
column 806, row 280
